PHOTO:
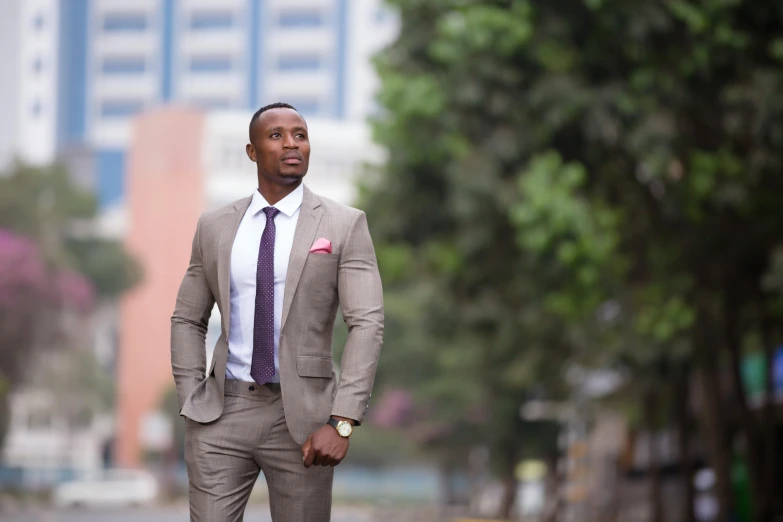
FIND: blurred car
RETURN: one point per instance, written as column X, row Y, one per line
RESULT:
column 117, row 487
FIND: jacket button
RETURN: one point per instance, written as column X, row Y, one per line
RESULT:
column 252, row 388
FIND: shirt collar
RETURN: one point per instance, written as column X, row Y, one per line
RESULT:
column 288, row 205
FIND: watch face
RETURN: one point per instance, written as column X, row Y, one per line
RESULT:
column 344, row 429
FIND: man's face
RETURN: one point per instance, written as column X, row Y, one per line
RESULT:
column 280, row 146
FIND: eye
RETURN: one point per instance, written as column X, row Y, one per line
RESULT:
column 274, row 135
column 301, row 136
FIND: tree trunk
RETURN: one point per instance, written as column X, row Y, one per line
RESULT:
column 448, row 496
column 684, row 436
column 748, row 428
column 654, row 467
column 714, row 429
column 5, row 414
column 713, row 432
column 510, row 487
column 552, row 496
column 446, row 487
column 767, row 485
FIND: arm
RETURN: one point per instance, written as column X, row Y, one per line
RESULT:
column 189, row 324
column 361, row 301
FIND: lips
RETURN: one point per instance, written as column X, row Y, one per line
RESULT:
column 292, row 159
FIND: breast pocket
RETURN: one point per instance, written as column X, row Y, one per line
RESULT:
column 320, row 272
column 319, row 281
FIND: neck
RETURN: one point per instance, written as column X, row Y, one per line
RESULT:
column 274, row 192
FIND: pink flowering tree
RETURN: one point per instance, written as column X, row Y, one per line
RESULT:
column 34, row 300
column 54, row 269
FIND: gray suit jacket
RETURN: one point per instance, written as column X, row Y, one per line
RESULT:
column 315, row 285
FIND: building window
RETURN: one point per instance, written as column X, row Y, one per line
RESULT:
column 118, row 66
column 125, row 23
column 301, row 19
column 211, row 21
column 213, row 103
column 300, row 63
column 120, row 109
column 210, row 64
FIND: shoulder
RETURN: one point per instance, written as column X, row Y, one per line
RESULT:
column 212, row 217
column 340, row 210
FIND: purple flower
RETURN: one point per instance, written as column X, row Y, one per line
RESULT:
column 23, row 274
column 25, row 279
column 75, row 291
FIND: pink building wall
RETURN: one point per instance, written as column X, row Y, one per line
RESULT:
column 165, row 196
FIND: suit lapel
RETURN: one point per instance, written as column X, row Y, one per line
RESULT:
column 306, row 227
column 233, row 219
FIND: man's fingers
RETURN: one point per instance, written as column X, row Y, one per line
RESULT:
column 319, row 458
column 309, row 456
column 331, row 460
column 317, row 455
column 322, row 453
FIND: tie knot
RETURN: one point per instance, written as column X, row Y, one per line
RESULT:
column 271, row 212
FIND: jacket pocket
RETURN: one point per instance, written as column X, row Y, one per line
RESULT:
column 312, row 366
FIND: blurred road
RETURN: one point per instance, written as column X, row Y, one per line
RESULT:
column 259, row 514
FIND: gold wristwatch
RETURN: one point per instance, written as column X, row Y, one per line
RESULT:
column 344, row 428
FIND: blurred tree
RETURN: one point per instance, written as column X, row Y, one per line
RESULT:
column 35, row 301
column 44, row 204
column 26, row 300
column 553, row 162
column 52, row 265
column 470, row 336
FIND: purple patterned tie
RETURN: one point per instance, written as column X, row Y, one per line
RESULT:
column 262, row 367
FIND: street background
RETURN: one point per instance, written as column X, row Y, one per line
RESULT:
column 575, row 204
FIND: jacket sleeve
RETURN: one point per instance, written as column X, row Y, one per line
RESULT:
column 361, row 300
column 189, row 324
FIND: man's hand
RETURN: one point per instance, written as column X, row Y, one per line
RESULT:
column 325, row 447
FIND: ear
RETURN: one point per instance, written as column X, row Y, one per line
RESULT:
column 251, row 152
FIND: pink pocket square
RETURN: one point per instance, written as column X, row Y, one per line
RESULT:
column 321, row 246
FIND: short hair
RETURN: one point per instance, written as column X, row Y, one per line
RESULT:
column 262, row 110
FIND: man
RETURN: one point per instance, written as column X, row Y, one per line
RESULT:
column 278, row 264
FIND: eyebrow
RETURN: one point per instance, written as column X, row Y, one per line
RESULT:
column 278, row 129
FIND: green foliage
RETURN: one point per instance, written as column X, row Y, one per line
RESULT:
column 550, row 158
column 40, row 201
column 45, row 204
column 108, row 265
column 52, row 213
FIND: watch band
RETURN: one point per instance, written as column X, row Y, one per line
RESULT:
column 343, row 428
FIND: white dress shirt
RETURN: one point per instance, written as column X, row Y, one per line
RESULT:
column 244, row 259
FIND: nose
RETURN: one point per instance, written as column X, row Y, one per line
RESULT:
column 289, row 142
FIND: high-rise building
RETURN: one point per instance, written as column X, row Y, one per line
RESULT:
column 121, row 57
column 28, row 67
column 76, row 72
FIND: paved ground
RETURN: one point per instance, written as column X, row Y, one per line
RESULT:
column 160, row 515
